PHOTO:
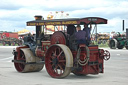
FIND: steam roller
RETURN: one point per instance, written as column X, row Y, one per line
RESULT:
column 60, row 51
column 119, row 41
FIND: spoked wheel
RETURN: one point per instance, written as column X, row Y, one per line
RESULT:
column 113, row 44
column 58, row 61
column 24, row 57
column 106, row 55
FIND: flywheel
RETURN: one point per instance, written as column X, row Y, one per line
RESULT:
column 58, row 38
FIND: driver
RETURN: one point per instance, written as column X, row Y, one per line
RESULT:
column 80, row 35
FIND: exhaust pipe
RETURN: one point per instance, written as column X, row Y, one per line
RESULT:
column 123, row 26
column 127, row 34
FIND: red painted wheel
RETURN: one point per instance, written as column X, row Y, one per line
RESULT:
column 58, row 38
column 106, row 55
column 58, row 61
column 19, row 66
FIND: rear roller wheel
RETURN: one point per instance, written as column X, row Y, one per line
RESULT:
column 26, row 56
column 58, row 61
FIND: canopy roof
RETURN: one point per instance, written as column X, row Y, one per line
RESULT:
column 73, row 21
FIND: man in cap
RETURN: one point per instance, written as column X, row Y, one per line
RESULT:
column 80, row 35
column 87, row 30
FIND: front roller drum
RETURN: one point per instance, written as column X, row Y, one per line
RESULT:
column 58, row 61
column 27, row 56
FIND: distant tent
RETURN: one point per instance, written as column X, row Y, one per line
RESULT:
column 23, row 32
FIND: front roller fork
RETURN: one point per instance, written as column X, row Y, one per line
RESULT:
column 25, row 61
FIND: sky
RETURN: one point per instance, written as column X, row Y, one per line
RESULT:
column 15, row 13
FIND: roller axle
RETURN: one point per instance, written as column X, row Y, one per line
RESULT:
column 23, row 62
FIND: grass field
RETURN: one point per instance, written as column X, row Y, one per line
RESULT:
column 101, row 45
column 7, row 44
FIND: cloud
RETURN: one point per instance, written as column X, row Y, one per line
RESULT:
column 110, row 11
column 15, row 13
column 9, row 5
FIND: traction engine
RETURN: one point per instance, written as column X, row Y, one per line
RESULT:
column 60, row 53
column 119, row 41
